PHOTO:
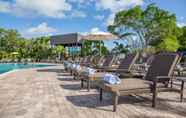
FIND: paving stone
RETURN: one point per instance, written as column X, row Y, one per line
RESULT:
column 50, row 93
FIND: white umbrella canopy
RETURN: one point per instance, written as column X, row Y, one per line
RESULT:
column 100, row 36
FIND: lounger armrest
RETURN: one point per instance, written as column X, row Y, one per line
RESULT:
column 122, row 70
column 162, row 78
column 115, row 70
column 181, row 78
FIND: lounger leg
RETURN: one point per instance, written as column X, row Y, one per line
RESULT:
column 70, row 72
column 74, row 76
column 154, row 99
column 101, row 94
column 82, row 83
column 171, row 83
column 181, row 94
column 115, row 102
column 88, row 85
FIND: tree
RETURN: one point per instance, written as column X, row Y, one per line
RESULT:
column 40, row 48
column 94, row 47
column 58, row 51
column 119, row 48
column 152, row 25
column 182, row 39
column 170, row 44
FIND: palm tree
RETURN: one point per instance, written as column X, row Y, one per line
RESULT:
column 119, row 48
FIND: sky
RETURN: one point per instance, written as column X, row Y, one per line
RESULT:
column 33, row 18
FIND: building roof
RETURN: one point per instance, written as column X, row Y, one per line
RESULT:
column 77, row 39
column 66, row 39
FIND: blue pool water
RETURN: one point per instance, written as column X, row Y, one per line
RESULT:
column 5, row 67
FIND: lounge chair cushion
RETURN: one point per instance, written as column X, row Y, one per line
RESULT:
column 127, row 84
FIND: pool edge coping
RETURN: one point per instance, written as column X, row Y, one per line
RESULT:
column 16, row 70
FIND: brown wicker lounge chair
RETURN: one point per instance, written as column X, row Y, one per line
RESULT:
column 156, row 80
column 108, row 61
column 96, row 61
column 87, row 61
column 125, row 67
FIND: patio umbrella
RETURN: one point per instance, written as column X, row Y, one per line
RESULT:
column 100, row 36
column 14, row 53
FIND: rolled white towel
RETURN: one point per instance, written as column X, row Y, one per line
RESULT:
column 78, row 67
column 111, row 79
column 89, row 71
column 179, row 67
column 73, row 66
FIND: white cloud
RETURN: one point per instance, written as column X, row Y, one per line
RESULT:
column 79, row 14
column 95, row 31
column 49, row 8
column 116, row 5
column 99, row 17
column 82, row 1
column 4, row 7
column 181, row 24
column 181, row 18
column 41, row 30
column 110, row 19
column 77, row 1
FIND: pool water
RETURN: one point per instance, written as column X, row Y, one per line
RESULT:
column 5, row 67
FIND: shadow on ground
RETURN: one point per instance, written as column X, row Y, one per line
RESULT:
column 50, row 70
column 92, row 101
column 64, row 74
column 71, row 87
column 66, row 78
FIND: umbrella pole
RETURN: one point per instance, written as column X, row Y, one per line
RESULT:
column 100, row 48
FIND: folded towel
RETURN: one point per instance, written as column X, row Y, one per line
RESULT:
column 179, row 67
column 67, row 65
column 111, row 79
column 78, row 67
column 89, row 71
column 73, row 66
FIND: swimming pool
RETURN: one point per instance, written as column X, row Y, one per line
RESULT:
column 5, row 67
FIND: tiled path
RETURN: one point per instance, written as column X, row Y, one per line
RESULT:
column 50, row 93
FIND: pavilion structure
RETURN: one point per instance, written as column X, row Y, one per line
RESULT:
column 74, row 41
column 70, row 41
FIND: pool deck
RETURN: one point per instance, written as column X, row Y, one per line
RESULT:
column 51, row 93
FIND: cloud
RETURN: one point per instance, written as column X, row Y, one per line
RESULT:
column 99, row 17
column 110, row 19
column 95, row 31
column 48, row 8
column 181, row 24
column 41, row 30
column 77, row 1
column 116, row 5
column 82, row 1
column 4, row 7
column 79, row 14
column 181, row 18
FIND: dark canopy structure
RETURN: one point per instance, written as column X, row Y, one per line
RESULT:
column 74, row 41
column 71, row 42
column 66, row 39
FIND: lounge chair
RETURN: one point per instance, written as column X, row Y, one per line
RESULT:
column 124, row 67
column 97, row 61
column 107, row 62
column 156, row 80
